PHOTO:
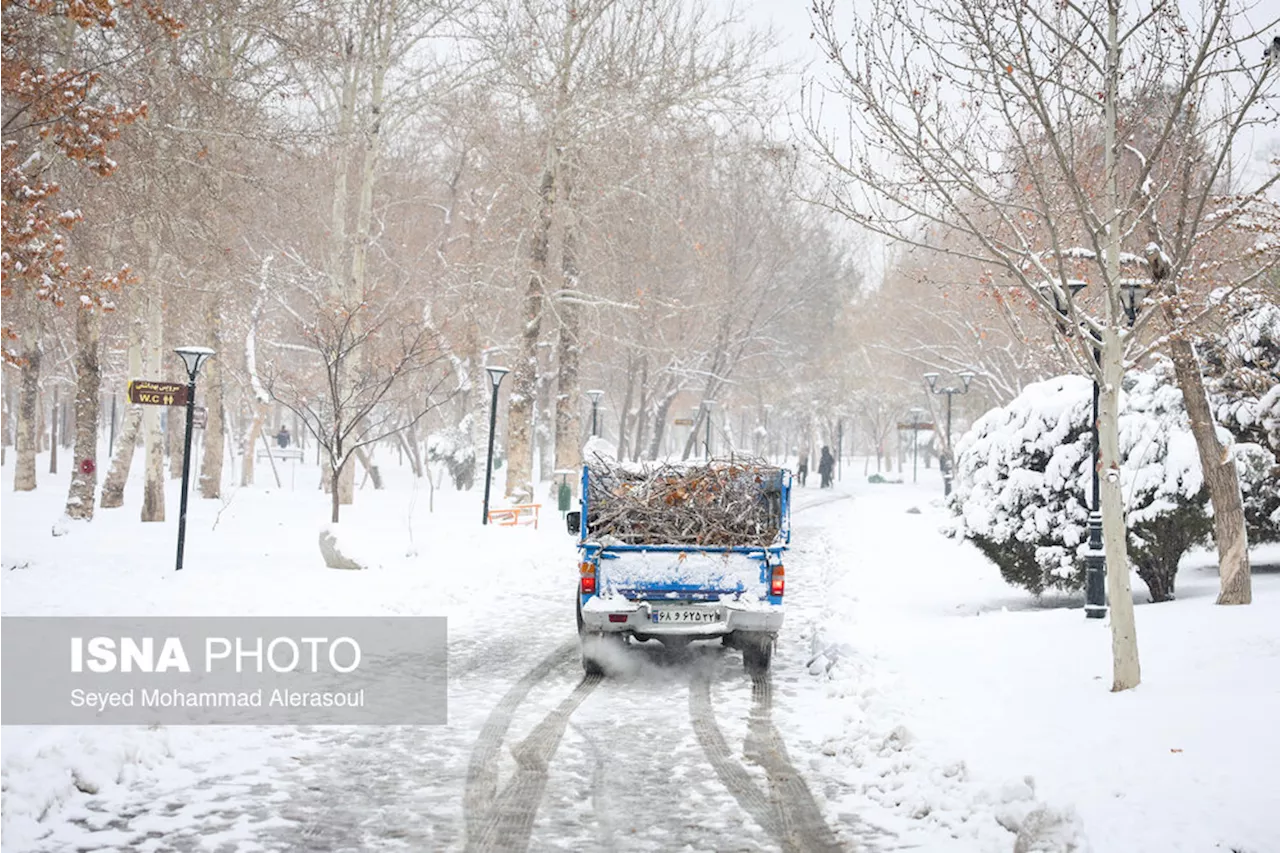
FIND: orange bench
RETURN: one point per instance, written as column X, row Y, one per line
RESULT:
column 519, row 514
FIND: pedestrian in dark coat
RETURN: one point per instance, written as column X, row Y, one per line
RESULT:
column 802, row 467
column 827, row 467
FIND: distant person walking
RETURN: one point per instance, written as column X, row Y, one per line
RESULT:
column 802, row 467
column 826, row 467
column 282, row 437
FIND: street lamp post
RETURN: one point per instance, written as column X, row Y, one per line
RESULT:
column 192, row 358
column 595, row 394
column 915, row 443
column 495, row 379
column 948, row 461
column 1095, row 559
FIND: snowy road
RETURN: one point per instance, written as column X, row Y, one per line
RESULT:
column 680, row 750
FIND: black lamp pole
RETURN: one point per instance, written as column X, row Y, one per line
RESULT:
column 495, row 379
column 1095, row 559
column 595, row 396
column 192, row 358
column 949, row 462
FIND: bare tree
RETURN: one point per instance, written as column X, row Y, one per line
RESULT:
column 974, row 131
column 351, row 408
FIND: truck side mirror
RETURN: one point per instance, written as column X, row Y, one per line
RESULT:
column 573, row 521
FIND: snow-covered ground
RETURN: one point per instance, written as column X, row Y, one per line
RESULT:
column 925, row 704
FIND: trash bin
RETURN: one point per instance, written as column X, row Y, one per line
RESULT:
column 564, row 497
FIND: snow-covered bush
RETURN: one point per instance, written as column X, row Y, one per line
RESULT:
column 1024, row 481
column 453, row 448
column 1242, row 373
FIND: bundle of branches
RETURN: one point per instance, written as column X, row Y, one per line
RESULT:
column 721, row 502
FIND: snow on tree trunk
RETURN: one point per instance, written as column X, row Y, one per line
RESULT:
column 84, row 471
column 524, row 376
column 24, row 476
column 131, row 423
column 568, row 428
column 126, row 443
column 153, row 482
column 211, row 463
column 1220, row 477
column 1126, row 671
column 251, row 443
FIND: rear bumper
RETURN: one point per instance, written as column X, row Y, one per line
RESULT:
column 639, row 617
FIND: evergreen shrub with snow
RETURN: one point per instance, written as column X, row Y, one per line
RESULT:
column 1024, row 482
column 1242, row 372
column 453, row 448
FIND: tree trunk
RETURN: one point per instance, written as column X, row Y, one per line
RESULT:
column 1220, row 477
column 1127, row 672
column 408, row 440
column 84, row 463
column 366, row 459
column 24, row 475
column 211, row 463
column 175, row 437
column 53, row 433
column 660, row 424
column 335, row 504
column 4, row 424
column 251, row 444
column 642, row 407
column 153, row 483
column 569, row 355
column 524, row 377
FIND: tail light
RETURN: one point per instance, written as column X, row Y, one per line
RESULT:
column 777, row 580
column 588, row 582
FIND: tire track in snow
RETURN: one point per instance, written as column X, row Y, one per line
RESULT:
column 797, row 807
column 732, row 774
column 482, row 771
column 509, row 823
column 608, row 832
column 789, row 813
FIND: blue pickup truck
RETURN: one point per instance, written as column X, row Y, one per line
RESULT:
column 719, row 576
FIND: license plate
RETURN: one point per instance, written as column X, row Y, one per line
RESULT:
column 684, row 615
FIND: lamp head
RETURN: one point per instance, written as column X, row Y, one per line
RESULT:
column 496, row 374
column 193, row 358
column 710, row 404
column 932, row 379
column 1071, row 288
column 595, row 394
column 1132, row 293
column 966, row 377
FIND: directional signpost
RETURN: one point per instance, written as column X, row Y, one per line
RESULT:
column 152, row 393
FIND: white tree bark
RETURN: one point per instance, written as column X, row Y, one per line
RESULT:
column 27, row 443
column 153, row 474
column 84, row 472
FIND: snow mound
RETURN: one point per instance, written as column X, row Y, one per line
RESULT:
column 56, row 767
column 339, row 551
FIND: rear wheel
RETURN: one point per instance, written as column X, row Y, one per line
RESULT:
column 757, row 653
